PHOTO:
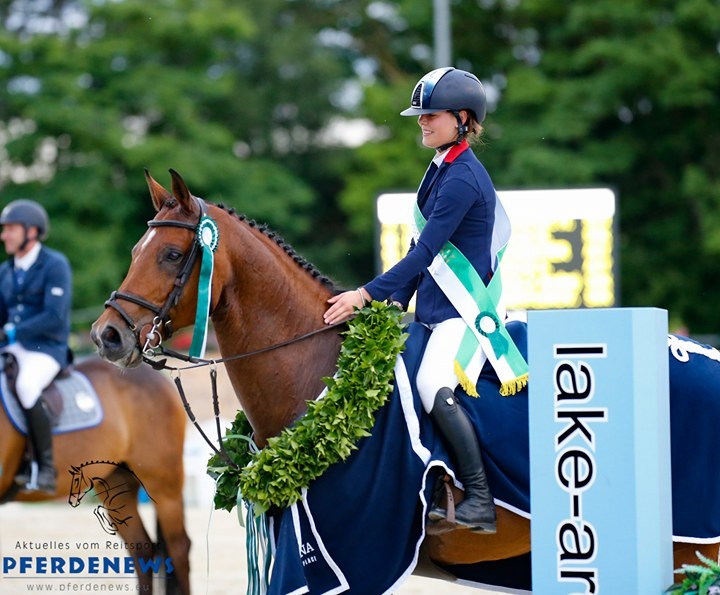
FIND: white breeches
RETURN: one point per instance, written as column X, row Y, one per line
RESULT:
column 36, row 372
column 437, row 369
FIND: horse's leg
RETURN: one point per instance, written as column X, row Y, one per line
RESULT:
column 163, row 474
column 164, row 485
column 171, row 521
column 133, row 531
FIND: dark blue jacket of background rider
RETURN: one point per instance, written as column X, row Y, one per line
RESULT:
column 459, row 206
column 40, row 309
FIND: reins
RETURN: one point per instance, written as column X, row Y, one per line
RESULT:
column 200, row 362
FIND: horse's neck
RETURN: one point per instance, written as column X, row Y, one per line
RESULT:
column 276, row 306
column 273, row 387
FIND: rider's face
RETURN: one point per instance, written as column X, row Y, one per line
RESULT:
column 13, row 236
column 438, row 128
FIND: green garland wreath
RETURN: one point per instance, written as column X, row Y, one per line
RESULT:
column 328, row 432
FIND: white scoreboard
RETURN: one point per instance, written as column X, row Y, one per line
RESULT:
column 561, row 253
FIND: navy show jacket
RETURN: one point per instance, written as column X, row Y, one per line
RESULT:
column 40, row 309
column 459, row 206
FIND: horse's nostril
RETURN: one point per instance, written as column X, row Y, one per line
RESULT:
column 110, row 337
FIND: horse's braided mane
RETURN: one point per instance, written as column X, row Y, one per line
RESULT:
column 289, row 250
column 99, row 462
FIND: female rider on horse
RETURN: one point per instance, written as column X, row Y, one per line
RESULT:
column 457, row 217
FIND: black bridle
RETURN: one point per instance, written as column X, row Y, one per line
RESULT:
column 161, row 325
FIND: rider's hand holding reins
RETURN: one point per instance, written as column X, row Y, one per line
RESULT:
column 344, row 304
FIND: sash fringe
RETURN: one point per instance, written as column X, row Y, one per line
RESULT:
column 511, row 387
column 507, row 388
column 467, row 384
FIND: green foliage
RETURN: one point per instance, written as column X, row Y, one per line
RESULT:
column 235, row 95
column 230, row 94
column 586, row 93
column 699, row 579
column 622, row 94
column 236, row 444
column 331, row 428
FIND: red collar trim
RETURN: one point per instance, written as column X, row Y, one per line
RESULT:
column 456, row 151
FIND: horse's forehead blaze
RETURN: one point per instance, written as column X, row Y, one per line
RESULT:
column 145, row 241
column 145, row 277
column 148, row 243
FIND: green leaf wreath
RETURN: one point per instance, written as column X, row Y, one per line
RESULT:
column 699, row 579
column 331, row 428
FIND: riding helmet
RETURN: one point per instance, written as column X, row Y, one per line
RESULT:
column 27, row 212
column 447, row 89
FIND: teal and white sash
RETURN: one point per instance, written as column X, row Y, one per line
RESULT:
column 481, row 308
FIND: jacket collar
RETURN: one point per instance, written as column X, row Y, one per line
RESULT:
column 27, row 260
column 450, row 156
column 456, row 151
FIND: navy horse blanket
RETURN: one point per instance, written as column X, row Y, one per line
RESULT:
column 368, row 512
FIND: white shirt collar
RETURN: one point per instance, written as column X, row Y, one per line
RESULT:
column 27, row 260
column 438, row 158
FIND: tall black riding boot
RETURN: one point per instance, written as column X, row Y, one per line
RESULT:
column 477, row 510
column 40, row 434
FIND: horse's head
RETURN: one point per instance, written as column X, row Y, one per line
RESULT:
column 147, row 306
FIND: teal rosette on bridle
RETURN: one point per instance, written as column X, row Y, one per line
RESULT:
column 207, row 237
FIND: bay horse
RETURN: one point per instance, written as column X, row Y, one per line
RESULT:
column 262, row 294
column 142, row 435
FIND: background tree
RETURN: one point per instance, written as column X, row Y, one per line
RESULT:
column 615, row 93
column 233, row 95
column 254, row 103
column 626, row 95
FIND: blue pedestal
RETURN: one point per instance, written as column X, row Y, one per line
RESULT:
column 600, row 451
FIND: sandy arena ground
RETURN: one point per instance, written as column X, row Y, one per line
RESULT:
column 218, row 564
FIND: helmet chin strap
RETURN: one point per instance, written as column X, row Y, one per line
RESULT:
column 26, row 240
column 462, row 131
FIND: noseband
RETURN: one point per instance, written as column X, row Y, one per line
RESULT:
column 161, row 325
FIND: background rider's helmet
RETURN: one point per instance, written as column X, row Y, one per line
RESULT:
column 447, row 89
column 28, row 213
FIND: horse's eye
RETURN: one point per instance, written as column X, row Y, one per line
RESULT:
column 173, row 256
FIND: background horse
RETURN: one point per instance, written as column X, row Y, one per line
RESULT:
column 262, row 294
column 142, row 430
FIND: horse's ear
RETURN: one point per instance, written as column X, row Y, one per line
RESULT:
column 181, row 192
column 157, row 192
